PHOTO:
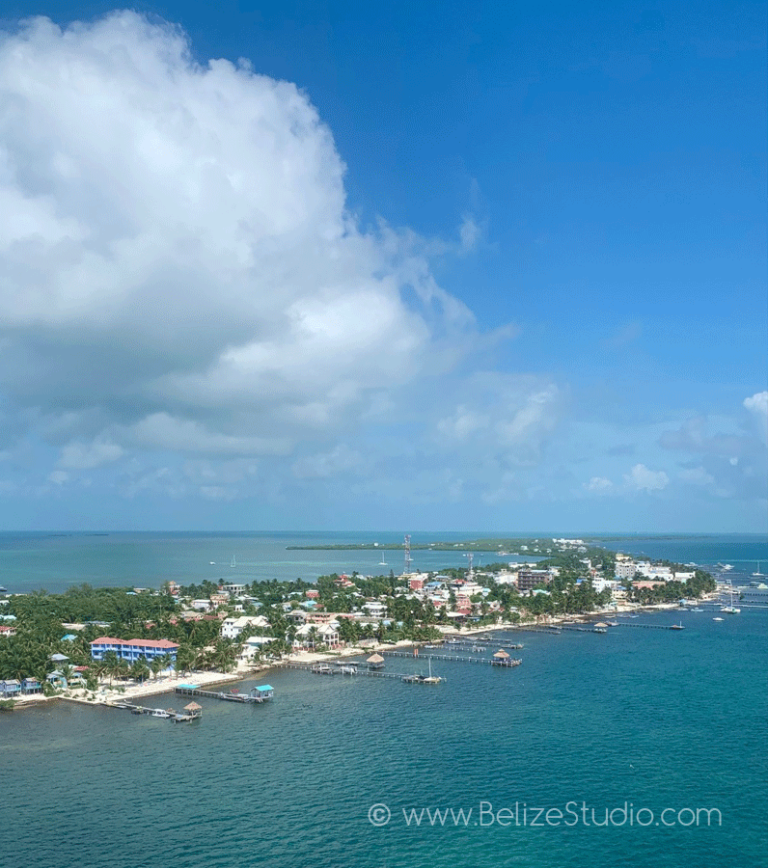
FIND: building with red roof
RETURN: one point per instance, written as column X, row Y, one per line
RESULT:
column 133, row 649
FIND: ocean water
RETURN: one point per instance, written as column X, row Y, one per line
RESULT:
column 643, row 718
column 30, row 561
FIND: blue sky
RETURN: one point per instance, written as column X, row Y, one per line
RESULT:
column 408, row 266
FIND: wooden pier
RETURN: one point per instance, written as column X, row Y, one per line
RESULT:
column 652, row 626
column 360, row 669
column 451, row 658
column 255, row 695
column 464, row 646
column 190, row 713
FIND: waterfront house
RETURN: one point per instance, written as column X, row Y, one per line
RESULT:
column 30, row 686
column 263, row 692
column 231, row 628
column 133, row 649
column 10, row 687
column 57, row 679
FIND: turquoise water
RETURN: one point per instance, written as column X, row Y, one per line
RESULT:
column 656, row 718
column 54, row 562
column 652, row 717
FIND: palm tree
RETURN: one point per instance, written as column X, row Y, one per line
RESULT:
column 140, row 670
column 156, row 665
column 111, row 665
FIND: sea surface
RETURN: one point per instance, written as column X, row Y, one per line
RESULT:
column 633, row 722
column 30, row 561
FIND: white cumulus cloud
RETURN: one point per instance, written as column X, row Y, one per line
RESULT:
column 181, row 271
column 643, row 479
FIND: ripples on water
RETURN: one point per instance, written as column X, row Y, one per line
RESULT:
column 655, row 718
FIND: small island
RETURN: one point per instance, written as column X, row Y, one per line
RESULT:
column 91, row 644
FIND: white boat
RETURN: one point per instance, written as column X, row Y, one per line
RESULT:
column 431, row 679
column 731, row 609
column 159, row 712
column 725, row 567
column 234, row 562
column 757, row 574
column 718, row 619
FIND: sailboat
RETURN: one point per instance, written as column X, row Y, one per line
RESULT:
column 731, row 609
column 382, row 562
column 757, row 574
column 234, row 562
column 431, row 679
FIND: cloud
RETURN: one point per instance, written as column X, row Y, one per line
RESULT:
column 182, row 272
column 599, row 485
column 341, row 459
column 757, row 405
column 508, row 416
column 470, row 233
column 85, row 456
column 643, row 479
column 696, row 476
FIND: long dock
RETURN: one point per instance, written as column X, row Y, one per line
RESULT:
column 165, row 714
column 451, row 658
column 226, row 697
column 651, row 626
column 473, row 646
column 359, row 669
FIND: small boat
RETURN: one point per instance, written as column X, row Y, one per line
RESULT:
column 731, row 609
column 697, row 609
column 677, row 627
column 756, row 574
column 718, row 619
column 5, row 590
column 159, row 712
column 234, row 562
column 599, row 630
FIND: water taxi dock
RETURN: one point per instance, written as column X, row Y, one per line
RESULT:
column 190, row 713
column 262, row 693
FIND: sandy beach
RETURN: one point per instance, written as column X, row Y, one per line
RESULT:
column 130, row 691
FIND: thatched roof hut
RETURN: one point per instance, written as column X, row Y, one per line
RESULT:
column 193, row 708
column 501, row 654
column 375, row 661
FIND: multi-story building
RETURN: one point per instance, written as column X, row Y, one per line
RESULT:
column 625, row 569
column 132, row 650
column 529, row 579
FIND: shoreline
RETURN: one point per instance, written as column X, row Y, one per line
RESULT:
column 110, row 697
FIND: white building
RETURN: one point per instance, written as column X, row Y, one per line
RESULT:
column 375, row 609
column 231, row 628
column 625, row 569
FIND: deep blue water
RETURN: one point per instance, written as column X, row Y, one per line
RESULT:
column 652, row 718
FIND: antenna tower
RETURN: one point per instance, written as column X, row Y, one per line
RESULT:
column 407, row 545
